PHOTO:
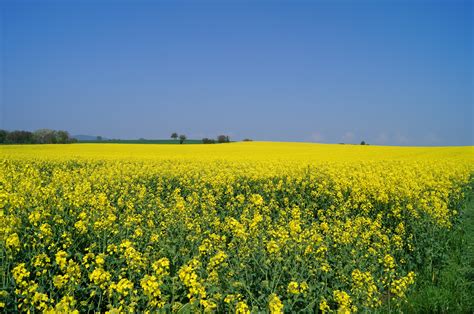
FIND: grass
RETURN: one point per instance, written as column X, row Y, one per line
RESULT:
column 450, row 288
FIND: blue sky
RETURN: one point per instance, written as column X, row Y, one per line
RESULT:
column 387, row 72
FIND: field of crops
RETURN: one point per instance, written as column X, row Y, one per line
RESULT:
column 229, row 228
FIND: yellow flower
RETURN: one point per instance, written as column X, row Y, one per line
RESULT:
column 400, row 286
column 45, row 230
column 13, row 242
column 123, row 287
column 66, row 305
column 161, row 267
column 256, row 199
column 20, row 274
column 112, row 212
column 293, row 288
column 217, row 259
column 343, row 300
column 81, row 226
column 100, row 277
column 61, row 259
column 242, row 308
column 323, row 306
column 389, row 262
column 272, row 247
column 100, row 259
column 304, row 287
column 274, row 304
column 59, row 281
column 209, row 305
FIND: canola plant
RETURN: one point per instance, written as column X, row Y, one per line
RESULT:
column 241, row 227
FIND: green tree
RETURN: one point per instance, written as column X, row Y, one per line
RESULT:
column 62, row 137
column 223, row 139
column 44, row 136
column 208, row 140
column 182, row 138
column 20, row 137
column 3, row 136
column 174, row 136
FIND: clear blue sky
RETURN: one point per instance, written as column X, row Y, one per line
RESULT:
column 388, row 72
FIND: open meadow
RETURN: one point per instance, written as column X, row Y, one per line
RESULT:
column 239, row 227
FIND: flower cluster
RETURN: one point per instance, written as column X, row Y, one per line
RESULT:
column 244, row 227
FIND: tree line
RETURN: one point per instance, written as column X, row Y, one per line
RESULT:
column 219, row 139
column 41, row 136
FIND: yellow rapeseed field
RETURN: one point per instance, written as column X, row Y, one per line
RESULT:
column 240, row 227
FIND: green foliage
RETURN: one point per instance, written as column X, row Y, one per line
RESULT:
column 223, row 139
column 447, row 284
column 208, row 141
column 41, row 136
column 3, row 136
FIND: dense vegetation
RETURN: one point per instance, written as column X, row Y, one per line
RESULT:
column 241, row 227
column 41, row 136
